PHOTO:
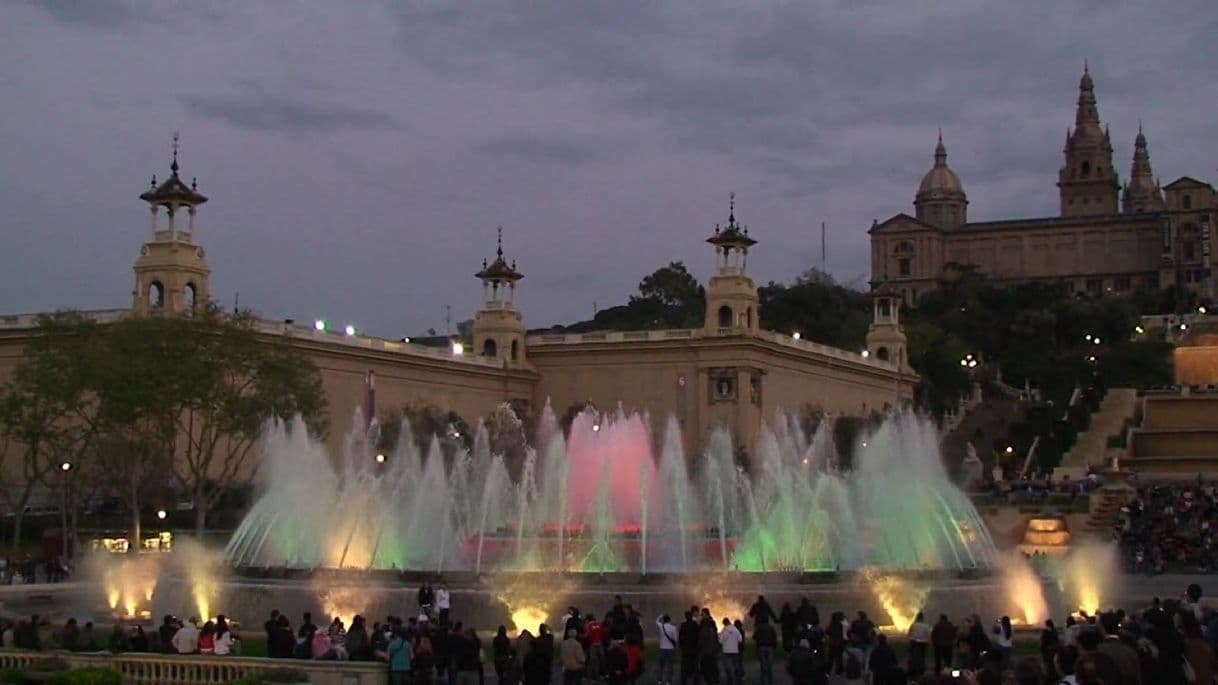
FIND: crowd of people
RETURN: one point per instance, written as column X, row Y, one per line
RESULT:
column 1167, row 527
column 1169, row 643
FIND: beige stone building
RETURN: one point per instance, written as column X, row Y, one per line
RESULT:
column 1107, row 238
column 727, row 372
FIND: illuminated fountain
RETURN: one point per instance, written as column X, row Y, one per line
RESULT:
column 1088, row 576
column 603, row 498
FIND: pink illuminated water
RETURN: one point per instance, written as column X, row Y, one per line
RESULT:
column 612, row 457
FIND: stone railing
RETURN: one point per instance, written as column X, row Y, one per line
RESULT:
column 196, row 669
column 293, row 330
column 596, row 337
column 290, row 329
column 19, row 321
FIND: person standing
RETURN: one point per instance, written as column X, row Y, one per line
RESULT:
column 426, row 598
column 668, row 648
column 943, row 637
column 594, row 633
column 787, row 619
column 729, row 646
column 186, row 639
column 400, row 651
column 687, row 643
column 573, row 660
column 443, row 604
column 919, row 642
column 708, row 650
column 766, row 639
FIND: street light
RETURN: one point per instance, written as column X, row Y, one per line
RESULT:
column 349, row 330
column 458, row 349
column 969, row 361
column 1010, row 449
column 66, row 466
column 160, row 514
column 796, row 335
column 380, row 459
column 319, row 325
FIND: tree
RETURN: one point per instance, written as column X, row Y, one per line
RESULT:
column 672, row 296
column 238, row 381
column 47, row 417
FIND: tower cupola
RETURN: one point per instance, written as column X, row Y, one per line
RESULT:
column 1087, row 182
column 171, row 272
column 731, row 296
column 498, row 326
column 1142, row 192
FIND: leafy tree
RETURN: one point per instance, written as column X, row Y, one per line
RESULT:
column 47, row 416
column 672, row 296
column 238, row 381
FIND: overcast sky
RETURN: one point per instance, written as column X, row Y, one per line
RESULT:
column 359, row 155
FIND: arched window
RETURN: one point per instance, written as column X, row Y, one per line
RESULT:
column 725, row 317
column 748, row 317
column 188, row 299
column 156, row 295
column 515, row 350
column 881, row 353
column 489, row 348
column 1085, row 170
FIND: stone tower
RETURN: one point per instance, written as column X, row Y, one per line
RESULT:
column 731, row 296
column 1088, row 182
column 499, row 327
column 885, row 337
column 941, row 200
column 171, row 272
column 1142, row 192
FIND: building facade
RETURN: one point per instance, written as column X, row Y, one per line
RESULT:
column 1108, row 238
column 729, row 372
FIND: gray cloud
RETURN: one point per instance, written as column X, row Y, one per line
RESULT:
column 603, row 136
column 262, row 113
column 104, row 14
column 541, row 150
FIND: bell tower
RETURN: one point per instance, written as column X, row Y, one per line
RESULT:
column 498, row 326
column 1087, row 181
column 885, row 337
column 731, row 296
column 171, row 272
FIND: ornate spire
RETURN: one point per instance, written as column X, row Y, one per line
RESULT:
column 731, row 210
column 1087, row 112
column 499, row 271
column 499, row 241
column 1142, row 192
column 174, row 167
column 940, row 152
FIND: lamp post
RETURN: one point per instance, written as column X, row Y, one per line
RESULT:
column 65, row 468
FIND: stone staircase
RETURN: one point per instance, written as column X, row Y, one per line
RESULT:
column 1106, row 504
column 1090, row 449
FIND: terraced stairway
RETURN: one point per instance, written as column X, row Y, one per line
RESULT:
column 1116, row 410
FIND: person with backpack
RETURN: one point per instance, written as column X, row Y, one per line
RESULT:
column 399, row 652
column 668, row 649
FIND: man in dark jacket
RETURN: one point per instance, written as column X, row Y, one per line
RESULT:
column 766, row 638
column 687, row 645
column 708, row 650
column 943, row 637
column 885, row 669
column 806, row 667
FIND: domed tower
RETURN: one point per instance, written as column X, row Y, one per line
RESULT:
column 1142, row 193
column 499, row 327
column 885, row 337
column 731, row 296
column 941, row 200
column 171, row 272
column 1088, row 182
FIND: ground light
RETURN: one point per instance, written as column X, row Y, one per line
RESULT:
column 319, row 325
column 796, row 335
column 349, row 330
column 458, row 349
